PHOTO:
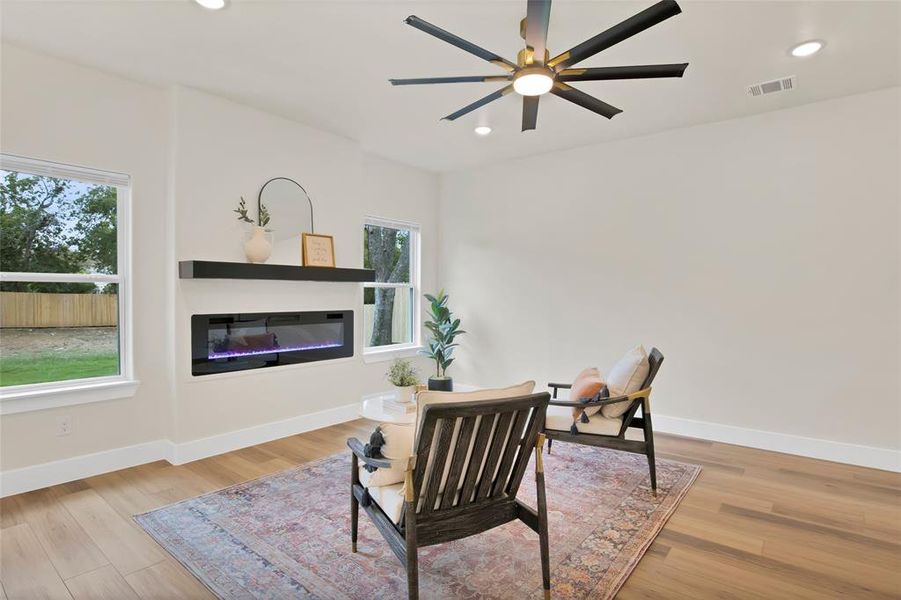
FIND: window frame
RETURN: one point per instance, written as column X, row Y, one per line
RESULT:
column 39, row 396
column 390, row 352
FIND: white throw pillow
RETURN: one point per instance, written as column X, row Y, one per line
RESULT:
column 398, row 447
column 626, row 377
column 398, row 442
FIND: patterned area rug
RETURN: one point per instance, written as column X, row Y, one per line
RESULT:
column 287, row 535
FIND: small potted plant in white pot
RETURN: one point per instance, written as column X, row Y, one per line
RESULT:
column 403, row 375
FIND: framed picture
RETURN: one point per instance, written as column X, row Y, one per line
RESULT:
column 318, row 250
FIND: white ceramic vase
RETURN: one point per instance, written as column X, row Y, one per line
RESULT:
column 405, row 394
column 259, row 247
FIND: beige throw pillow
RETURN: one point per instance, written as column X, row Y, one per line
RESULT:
column 397, row 446
column 626, row 377
column 381, row 476
column 398, row 441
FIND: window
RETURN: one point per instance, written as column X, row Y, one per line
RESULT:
column 63, row 279
column 391, row 304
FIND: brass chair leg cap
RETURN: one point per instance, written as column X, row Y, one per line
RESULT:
column 547, row 594
column 353, row 547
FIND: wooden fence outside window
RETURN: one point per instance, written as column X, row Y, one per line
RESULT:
column 35, row 310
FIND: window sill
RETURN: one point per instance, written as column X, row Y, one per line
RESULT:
column 62, row 394
column 406, row 351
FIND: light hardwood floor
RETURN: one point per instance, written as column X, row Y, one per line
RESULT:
column 756, row 524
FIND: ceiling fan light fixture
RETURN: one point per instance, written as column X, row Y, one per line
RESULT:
column 533, row 81
column 536, row 73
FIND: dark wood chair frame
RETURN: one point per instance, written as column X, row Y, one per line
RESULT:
column 639, row 400
column 486, row 500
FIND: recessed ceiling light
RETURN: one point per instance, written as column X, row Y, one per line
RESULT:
column 211, row 4
column 483, row 130
column 808, row 48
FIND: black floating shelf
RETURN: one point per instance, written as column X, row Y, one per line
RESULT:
column 209, row 269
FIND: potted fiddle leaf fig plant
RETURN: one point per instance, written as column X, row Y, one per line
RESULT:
column 444, row 329
column 404, row 377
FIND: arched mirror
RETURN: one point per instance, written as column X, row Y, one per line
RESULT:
column 290, row 215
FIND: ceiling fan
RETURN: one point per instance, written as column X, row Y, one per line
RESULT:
column 535, row 73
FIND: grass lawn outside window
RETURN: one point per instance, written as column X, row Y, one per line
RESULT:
column 57, row 354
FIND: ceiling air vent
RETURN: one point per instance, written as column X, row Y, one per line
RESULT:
column 783, row 84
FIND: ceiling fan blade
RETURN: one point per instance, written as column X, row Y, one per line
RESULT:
column 634, row 72
column 464, row 79
column 649, row 17
column 584, row 100
column 459, row 42
column 478, row 103
column 538, row 16
column 529, row 112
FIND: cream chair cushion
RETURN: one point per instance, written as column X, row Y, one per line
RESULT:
column 429, row 397
column 626, row 377
column 390, row 498
column 560, row 418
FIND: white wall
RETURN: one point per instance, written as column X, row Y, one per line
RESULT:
column 761, row 255
column 61, row 112
column 224, row 150
column 191, row 156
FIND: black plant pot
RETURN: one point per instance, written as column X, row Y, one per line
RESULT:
column 441, row 384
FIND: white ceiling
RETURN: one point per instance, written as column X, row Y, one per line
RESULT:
column 327, row 63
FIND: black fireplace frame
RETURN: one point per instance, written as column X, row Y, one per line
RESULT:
column 202, row 364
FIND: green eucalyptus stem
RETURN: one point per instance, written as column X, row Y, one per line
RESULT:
column 241, row 211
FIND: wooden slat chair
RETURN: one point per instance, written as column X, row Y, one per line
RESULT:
column 481, row 450
column 601, row 431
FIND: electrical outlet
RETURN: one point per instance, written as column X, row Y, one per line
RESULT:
column 63, row 425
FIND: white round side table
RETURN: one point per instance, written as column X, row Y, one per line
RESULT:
column 374, row 409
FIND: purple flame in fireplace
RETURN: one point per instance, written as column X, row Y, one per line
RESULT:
column 239, row 353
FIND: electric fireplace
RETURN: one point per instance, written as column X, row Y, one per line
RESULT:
column 241, row 341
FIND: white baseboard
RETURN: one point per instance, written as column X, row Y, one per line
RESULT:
column 22, row 480
column 259, row 434
column 26, row 479
column 852, row 454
